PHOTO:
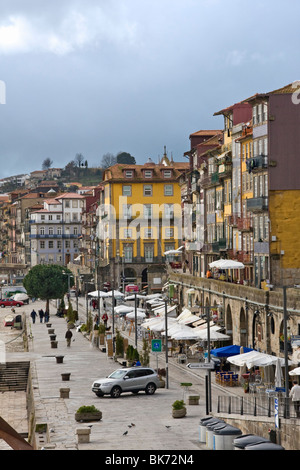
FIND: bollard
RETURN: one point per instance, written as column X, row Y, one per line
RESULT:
column 59, row 359
column 64, row 392
column 53, row 344
column 83, row 435
column 65, row 377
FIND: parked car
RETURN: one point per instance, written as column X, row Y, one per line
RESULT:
column 10, row 303
column 132, row 379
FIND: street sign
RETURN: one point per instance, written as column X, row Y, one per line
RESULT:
column 156, row 345
column 201, row 365
column 276, row 414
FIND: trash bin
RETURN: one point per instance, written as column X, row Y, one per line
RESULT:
column 202, row 427
column 210, row 433
column 244, row 440
column 264, row 446
column 223, row 437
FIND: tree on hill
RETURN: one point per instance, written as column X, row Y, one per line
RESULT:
column 108, row 160
column 47, row 163
column 47, row 282
column 79, row 159
column 125, row 158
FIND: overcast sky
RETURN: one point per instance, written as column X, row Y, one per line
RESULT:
column 99, row 76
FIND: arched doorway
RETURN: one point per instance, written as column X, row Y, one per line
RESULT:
column 243, row 328
column 130, row 276
column 228, row 321
column 144, row 278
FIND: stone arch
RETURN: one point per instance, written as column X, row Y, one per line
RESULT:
column 130, row 275
column 257, row 330
column 243, row 327
column 228, row 321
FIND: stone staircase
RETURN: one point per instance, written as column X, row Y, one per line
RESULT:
column 14, row 376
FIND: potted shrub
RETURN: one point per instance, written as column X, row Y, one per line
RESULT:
column 88, row 413
column 119, row 344
column 178, row 409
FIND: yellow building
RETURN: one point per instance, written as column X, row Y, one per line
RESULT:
column 141, row 220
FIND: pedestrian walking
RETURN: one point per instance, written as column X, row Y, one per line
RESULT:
column 33, row 315
column 105, row 318
column 41, row 315
column 295, row 395
column 47, row 315
column 68, row 337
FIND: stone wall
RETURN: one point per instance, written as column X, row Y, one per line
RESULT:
column 288, row 434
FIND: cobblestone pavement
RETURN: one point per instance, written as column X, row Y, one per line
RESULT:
column 154, row 428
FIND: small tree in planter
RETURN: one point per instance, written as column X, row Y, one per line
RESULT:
column 178, row 409
column 145, row 358
column 88, row 413
column 119, row 344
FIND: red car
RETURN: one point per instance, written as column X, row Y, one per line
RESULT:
column 10, row 303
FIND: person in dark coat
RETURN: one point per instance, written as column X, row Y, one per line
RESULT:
column 68, row 336
column 41, row 315
column 33, row 315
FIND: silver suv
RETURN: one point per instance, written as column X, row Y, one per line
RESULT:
column 133, row 379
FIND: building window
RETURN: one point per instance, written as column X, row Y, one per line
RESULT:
column 168, row 190
column 43, row 217
column 67, row 204
column 42, row 245
column 127, row 232
column 50, row 217
column 169, row 211
column 128, row 173
column 169, row 233
column 59, row 245
column 167, row 173
column 149, row 253
column 51, row 244
column 42, row 231
column 148, row 173
column 68, row 244
column 147, row 189
column 51, row 230
column 128, row 254
column 147, row 211
column 75, row 204
column 148, row 233
column 126, row 190
column 58, row 230
column 127, row 211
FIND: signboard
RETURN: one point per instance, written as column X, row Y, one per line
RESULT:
column 156, row 345
column 201, row 365
column 131, row 288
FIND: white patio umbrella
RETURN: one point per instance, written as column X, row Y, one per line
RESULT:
column 95, row 294
column 295, row 371
column 214, row 335
column 226, row 264
column 160, row 326
column 186, row 335
column 255, row 358
column 132, row 297
column 174, row 252
column 116, row 294
column 278, row 374
column 139, row 315
column 123, row 309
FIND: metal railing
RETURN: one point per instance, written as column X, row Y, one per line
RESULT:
column 257, row 405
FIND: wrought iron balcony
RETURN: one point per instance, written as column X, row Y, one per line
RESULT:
column 257, row 204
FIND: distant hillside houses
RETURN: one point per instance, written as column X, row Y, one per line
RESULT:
column 19, row 180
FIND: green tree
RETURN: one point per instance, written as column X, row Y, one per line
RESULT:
column 47, row 282
column 125, row 158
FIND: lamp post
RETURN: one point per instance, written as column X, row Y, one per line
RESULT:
column 286, row 359
column 166, row 336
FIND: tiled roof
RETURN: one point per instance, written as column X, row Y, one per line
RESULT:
column 116, row 172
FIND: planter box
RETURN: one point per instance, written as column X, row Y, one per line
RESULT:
column 193, row 400
column 179, row 413
column 86, row 417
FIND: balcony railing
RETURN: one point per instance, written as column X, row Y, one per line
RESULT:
column 257, row 163
column 257, row 204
